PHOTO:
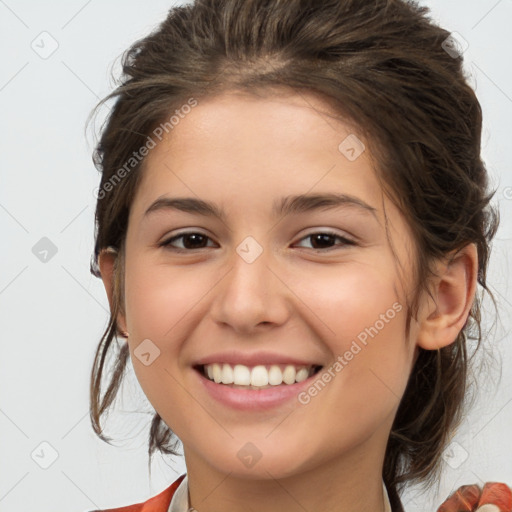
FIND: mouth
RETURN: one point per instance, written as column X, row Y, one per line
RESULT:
column 258, row 377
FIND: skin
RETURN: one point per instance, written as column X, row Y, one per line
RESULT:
column 243, row 153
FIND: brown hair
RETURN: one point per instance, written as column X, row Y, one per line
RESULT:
column 382, row 65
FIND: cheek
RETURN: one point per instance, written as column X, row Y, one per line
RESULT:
column 351, row 299
column 157, row 297
column 364, row 324
column 159, row 302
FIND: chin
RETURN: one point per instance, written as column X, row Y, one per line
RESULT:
column 248, row 462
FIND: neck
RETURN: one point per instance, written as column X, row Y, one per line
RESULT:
column 348, row 482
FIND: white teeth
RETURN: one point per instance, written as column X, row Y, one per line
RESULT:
column 289, row 375
column 302, row 374
column 257, row 376
column 275, row 377
column 227, row 374
column 217, row 373
column 241, row 375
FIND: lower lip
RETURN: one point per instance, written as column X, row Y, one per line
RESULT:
column 254, row 399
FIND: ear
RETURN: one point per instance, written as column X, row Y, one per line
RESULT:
column 106, row 262
column 454, row 291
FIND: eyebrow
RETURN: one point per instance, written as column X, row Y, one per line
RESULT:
column 293, row 204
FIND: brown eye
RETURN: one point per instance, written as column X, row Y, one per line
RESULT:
column 320, row 241
column 190, row 241
column 326, row 240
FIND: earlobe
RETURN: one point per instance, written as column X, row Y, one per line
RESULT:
column 106, row 262
column 454, row 291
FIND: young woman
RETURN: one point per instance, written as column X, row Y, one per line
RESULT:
column 292, row 222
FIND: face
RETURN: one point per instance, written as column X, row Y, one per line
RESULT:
column 317, row 284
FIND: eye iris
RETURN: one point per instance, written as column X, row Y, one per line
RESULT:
column 197, row 240
column 193, row 236
column 324, row 238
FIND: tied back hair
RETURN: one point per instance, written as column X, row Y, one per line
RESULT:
column 381, row 65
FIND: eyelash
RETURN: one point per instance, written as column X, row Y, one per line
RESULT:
column 167, row 243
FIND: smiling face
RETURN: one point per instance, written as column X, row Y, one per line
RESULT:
column 288, row 290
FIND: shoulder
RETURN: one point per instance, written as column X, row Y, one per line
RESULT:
column 158, row 503
column 471, row 497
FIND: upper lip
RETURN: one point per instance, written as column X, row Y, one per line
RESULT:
column 254, row 359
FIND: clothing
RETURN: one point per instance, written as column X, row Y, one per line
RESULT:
column 175, row 499
column 180, row 501
column 470, row 497
column 466, row 498
column 159, row 503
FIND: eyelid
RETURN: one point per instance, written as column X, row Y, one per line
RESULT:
column 165, row 243
column 346, row 239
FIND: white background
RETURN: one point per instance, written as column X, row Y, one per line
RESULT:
column 52, row 314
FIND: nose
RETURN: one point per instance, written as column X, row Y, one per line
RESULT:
column 251, row 296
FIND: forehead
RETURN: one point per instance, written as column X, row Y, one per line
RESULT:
column 267, row 143
column 244, row 123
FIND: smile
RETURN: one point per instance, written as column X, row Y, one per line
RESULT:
column 257, row 377
column 254, row 398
